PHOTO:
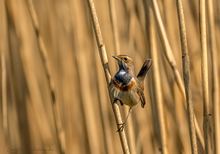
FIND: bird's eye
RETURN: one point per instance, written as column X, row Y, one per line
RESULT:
column 125, row 59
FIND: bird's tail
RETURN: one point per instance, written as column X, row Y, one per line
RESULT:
column 144, row 69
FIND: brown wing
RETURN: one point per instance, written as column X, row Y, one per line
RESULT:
column 144, row 70
column 140, row 92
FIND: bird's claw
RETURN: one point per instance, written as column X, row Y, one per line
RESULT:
column 121, row 127
column 116, row 99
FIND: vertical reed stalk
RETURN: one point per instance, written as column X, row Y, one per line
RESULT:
column 3, row 51
column 131, row 135
column 215, row 77
column 45, row 59
column 204, row 69
column 171, row 60
column 87, row 105
column 104, row 59
column 4, row 94
column 157, row 86
column 186, row 75
column 114, row 23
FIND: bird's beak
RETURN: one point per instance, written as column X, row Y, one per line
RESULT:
column 116, row 57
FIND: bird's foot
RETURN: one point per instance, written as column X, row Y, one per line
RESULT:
column 116, row 99
column 121, row 127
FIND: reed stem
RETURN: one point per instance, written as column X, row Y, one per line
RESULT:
column 204, row 70
column 157, row 87
column 215, row 76
column 186, row 76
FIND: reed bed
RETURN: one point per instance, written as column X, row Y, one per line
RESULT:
column 56, row 64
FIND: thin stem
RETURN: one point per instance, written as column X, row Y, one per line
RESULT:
column 4, row 94
column 126, row 118
column 215, row 80
column 114, row 26
column 104, row 59
column 157, row 86
column 4, row 78
column 204, row 69
column 186, row 76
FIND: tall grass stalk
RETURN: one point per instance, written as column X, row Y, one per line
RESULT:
column 114, row 23
column 157, row 86
column 186, row 75
column 4, row 78
column 205, row 80
column 215, row 76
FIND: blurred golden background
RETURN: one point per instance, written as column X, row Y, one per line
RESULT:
column 54, row 96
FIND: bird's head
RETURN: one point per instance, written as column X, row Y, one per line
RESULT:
column 125, row 62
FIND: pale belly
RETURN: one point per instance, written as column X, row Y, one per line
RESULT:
column 129, row 98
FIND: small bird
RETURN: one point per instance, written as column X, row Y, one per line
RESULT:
column 126, row 87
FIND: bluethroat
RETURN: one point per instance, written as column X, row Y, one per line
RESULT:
column 126, row 87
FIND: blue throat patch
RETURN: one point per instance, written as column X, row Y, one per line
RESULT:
column 123, row 77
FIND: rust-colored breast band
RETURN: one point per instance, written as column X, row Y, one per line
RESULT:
column 124, row 87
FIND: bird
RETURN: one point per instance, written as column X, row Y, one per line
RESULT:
column 126, row 87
